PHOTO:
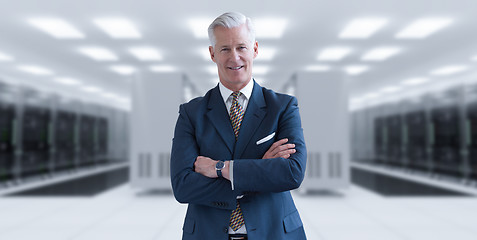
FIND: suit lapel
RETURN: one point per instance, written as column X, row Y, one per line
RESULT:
column 254, row 114
column 219, row 117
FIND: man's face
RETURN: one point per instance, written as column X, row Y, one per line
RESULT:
column 233, row 53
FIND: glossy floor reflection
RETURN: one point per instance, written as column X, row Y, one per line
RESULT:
column 122, row 213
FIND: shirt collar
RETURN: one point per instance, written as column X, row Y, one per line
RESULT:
column 246, row 91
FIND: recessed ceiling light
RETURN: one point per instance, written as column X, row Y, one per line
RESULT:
column 334, row 53
column 380, row 54
column 163, row 68
column 390, row 89
column 265, row 54
column 414, row 81
column 362, row 28
column 91, row 89
column 118, row 28
column 317, row 68
column 269, row 27
column 98, row 54
column 145, row 53
column 371, row 95
column 68, row 81
column 5, row 57
column 356, row 69
column 448, row 70
column 123, row 69
column 35, row 70
column 259, row 70
column 422, row 28
column 57, row 28
column 200, row 26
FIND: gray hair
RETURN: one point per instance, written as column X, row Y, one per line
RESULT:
column 231, row 20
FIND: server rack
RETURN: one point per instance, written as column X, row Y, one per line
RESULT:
column 101, row 140
column 471, row 139
column 87, row 139
column 394, row 144
column 417, row 142
column 35, row 141
column 7, row 147
column 65, row 144
column 445, row 140
column 380, row 139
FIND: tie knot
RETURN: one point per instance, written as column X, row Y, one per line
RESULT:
column 236, row 94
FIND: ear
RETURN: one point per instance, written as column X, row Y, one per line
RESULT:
column 255, row 50
column 211, row 51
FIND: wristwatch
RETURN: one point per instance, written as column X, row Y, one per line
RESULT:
column 218, row 167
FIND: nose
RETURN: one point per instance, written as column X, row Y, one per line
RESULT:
column 235, row 55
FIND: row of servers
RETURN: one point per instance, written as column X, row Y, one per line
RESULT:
column 44, row 133
column 434, row 133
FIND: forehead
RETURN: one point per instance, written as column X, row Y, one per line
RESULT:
column 236, row 35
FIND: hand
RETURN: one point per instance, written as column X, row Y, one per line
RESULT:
column 280, row 149
column 205, row 166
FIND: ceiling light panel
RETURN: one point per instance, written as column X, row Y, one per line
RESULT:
column 269, row 27
column 5, row 57
column 317, row 68
column 356, row 69
column 146, row 53
column 91, row 89
column 200, row 26
column 98, row 53
column 37, row 70
column 414, row 81
column 123, row 69
column 380, row 54
column 423, row 28
column 390, row 89
column 163, row 68
column 119, row 28
column 334, row 53
column 362, row 28
column 68, row 81
column 448, row 70
column 57, row 28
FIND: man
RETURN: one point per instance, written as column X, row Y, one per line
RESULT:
column 225, row 163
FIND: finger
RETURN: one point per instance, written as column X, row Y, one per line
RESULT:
column 284, row 147
column 285, row 153
column 275, row 148
column 279, row 142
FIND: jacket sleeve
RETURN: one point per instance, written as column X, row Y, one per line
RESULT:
column 189, row 186
column 276, row 174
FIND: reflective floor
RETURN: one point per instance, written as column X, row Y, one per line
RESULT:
column 122, row 213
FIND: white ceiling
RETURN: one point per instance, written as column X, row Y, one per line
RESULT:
column 312, row 26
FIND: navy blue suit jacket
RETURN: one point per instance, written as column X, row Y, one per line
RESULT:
column 203, row 128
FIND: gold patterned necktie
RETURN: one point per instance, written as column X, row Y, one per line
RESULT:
column 236, row 116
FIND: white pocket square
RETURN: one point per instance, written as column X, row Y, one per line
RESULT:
column 265, row 138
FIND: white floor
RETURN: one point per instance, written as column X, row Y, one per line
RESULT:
column 122, row 214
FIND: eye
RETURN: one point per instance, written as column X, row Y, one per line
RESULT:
column 224, row 49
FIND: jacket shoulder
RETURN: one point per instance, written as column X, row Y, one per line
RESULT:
column 274, row 97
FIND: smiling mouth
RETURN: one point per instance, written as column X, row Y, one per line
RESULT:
column 235, row 68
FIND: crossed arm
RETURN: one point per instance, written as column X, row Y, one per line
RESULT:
column 206, row 165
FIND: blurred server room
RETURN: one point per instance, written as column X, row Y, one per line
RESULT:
column 90, row 92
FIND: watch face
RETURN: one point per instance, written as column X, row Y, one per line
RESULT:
column 220, row 165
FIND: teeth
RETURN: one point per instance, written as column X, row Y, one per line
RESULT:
column 235, row 68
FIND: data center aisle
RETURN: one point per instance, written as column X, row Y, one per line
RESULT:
column 122, row 213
